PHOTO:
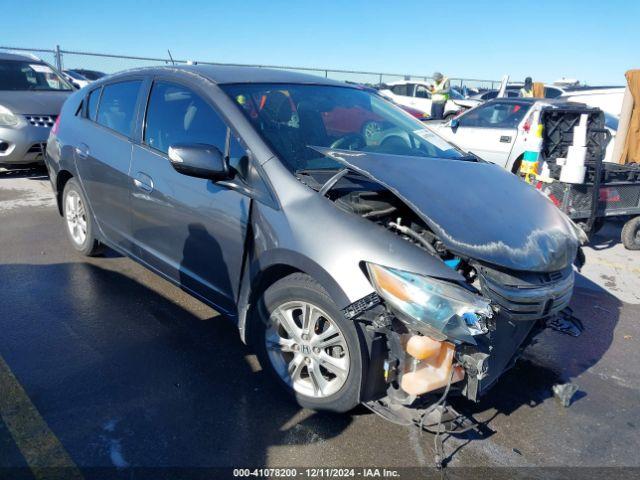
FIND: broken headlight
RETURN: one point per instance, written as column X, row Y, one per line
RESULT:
column 433, row 307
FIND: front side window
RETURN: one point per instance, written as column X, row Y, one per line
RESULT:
column 422, row 92
column 30, row 76
column 294, row 118
column 177, row 115
column 118, row 106
column 495, row 115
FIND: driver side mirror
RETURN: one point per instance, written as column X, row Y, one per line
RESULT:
column 199, row 160
column 454, row 123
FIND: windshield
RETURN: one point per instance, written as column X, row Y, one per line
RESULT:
column 294, row 118
column 19, row 75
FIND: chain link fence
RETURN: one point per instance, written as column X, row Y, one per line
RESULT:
column 110, row 63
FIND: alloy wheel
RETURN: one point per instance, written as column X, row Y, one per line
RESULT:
column 307, row 349
column 76, row 217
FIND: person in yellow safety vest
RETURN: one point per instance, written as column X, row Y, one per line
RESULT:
column 527, row 90
column 439, row 95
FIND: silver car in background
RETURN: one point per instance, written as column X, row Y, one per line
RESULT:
column 31, row 96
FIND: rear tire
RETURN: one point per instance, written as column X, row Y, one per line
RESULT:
column 78, row 221
column 631, row 234
column 322, row 369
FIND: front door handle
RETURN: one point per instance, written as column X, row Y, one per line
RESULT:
column 505, row 139
column 82, row 151
column 143, row 182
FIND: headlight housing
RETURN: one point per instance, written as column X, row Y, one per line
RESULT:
column 433, row 307
column 7, row 118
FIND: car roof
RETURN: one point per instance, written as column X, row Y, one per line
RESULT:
column 22, row 58
column 238, row 74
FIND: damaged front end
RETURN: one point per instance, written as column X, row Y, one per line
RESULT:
column 433, row 337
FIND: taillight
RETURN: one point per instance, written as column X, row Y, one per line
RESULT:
column 54, row 129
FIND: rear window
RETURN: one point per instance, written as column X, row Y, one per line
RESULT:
column 118, row 106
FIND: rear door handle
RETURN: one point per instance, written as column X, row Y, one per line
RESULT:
column 82, row 151
column 505, row 139
column 143, row 182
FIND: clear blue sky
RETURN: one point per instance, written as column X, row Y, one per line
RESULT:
column 592, row 41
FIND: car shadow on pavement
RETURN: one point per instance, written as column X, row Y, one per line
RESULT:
column 125, row 376
column 608, row 236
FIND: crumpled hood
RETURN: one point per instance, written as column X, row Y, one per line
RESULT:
column 477, row 209
column 33, row 103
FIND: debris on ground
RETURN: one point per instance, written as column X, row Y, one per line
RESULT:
column 565, row 392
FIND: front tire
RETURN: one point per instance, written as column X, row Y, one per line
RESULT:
column 78, row 221
column 307, row 345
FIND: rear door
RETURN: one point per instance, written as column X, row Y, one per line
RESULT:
column 490, row 130
column 190, row 229
column 103, row 156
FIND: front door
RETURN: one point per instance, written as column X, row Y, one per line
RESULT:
column 190, row 229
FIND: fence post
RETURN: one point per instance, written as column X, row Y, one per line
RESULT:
column 58, row 56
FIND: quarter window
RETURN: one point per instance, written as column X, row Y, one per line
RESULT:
column 92, row 104
column 118, row 106
column 177, row 115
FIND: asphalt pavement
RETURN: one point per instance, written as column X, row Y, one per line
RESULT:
column 104, row 364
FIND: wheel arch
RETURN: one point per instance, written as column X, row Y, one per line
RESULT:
column 515, row 166
column 262, row 273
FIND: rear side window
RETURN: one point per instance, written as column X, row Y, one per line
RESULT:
column 177, row 115
column 404, row 90
column 118, row 106
column 92, row 104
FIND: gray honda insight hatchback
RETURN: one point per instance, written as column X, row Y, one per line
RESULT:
column 363, row 257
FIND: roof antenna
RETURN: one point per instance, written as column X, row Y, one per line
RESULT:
column 169, row 52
